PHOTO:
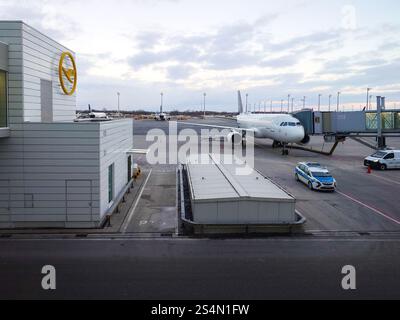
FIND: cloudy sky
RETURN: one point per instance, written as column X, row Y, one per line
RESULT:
column 268, row 49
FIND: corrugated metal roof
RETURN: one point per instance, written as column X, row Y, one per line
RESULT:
column 219, row 181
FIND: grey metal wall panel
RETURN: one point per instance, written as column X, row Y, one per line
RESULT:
column 46, row 100
column 116, row 139
column 33, row 56
column 349, row 121
column 15, row 106
column 45, row 177
column 228, row 212
column 327, row 122
column 306, row 119
column 3, row 56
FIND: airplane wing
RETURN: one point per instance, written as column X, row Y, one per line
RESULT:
column 216, row 127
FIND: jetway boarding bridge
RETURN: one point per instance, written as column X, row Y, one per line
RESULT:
column 336, row 127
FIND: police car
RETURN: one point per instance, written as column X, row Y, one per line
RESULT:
column 315, row 176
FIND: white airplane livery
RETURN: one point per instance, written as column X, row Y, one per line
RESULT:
column 282, row 128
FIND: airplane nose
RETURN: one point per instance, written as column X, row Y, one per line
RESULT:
column 301, row 133
column 303, row 136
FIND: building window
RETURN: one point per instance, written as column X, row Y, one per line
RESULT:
column 3, row 99
column 110, row 183
column 129, row 168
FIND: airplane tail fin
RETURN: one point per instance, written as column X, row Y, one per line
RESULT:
column 240, row 103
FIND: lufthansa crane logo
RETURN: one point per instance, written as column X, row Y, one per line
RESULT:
column 67, row 73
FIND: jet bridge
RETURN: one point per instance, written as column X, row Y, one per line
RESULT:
column 338, row 126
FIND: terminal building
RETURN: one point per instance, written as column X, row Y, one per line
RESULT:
column 54, row 172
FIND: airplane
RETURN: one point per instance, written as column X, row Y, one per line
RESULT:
column 93, row 116
column 161, row 117
column 282, row 128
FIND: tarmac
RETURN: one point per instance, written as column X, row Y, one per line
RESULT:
column 141, row 257
column 364, row 204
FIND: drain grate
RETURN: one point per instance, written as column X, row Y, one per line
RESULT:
column 81, row 236
column 169, row 235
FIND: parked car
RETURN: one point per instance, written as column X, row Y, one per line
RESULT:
column 383, row 160
column 315, row 176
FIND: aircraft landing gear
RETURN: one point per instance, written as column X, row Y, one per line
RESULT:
column 276, row 144
column 285, row 152
column 244, row 139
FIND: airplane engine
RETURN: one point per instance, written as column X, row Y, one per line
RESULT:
column 235, row 137
column 306, row 139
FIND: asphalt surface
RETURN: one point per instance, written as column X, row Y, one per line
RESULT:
column 364, row 203
column 356, row 226
column 200, row 269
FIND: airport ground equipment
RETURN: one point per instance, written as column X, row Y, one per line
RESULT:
column 383, row 160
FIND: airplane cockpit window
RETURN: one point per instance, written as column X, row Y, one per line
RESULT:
column 285, row 124
column 298, row 124
column 292, row 124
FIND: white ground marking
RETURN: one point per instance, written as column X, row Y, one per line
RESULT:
column 131, row 213
column 369, row 207
column 386, row 179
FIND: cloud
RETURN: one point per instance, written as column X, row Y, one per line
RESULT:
column 41, row 16
column 143, row 46
column 179, row 72
column 280, row 62
column 180, row 53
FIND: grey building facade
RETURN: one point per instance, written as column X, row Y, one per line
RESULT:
column 54, row 172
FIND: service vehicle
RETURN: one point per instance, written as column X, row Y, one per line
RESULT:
column 383, row 160
column 315, row 176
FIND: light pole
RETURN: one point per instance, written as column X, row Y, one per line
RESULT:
column 272, row 109
column 162, row 101
column 288, row 103
column 118, row 94
column 319, row 102
column 368, row 90
column 247, row 99
column 292, row 105
column 370, row 100
column 204, row 95
column 330, row 99
column 304, row 102
column 281, row 105
column 338, row 101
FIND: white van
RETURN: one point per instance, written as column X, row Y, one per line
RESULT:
column 384, row 159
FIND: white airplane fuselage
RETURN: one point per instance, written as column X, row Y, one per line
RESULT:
column 282, row 128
